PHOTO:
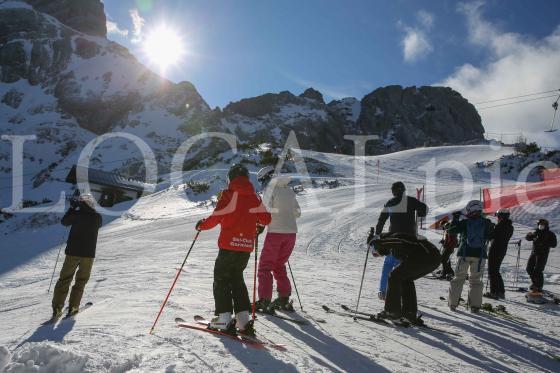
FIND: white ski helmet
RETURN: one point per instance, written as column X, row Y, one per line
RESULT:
column 265, row 174
column 474, row 206
column 88, row 200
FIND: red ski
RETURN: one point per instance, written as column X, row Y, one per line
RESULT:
column 202, row 325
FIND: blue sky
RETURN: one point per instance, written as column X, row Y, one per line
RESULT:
column 239, row 49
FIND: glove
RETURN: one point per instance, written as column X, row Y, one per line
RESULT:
column 260, row 229
column 74, row 203
column 197, row 226
column 371, row 235
column 456, row 215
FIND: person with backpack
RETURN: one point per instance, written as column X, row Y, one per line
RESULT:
column 240, row 212
column 543, row 240
column 497, row 252
column 80, row 253
column 280, row 240
column 474, row 233
column 417, row 257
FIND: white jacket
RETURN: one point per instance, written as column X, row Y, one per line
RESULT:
column 282, row 204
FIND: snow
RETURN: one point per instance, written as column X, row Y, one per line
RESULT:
column 46, row 358
column 139, row 253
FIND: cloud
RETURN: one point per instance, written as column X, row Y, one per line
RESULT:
column 113, row 28
column 425, row 18
column 137, row 24
column 517, row 65
column 416, row 43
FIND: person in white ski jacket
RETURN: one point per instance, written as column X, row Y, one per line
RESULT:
column 280, row 240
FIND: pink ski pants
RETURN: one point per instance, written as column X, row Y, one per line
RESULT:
column 275, row 254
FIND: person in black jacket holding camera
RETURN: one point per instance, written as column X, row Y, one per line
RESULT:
column 80, row 253
column 543, row 240
column 497, row 252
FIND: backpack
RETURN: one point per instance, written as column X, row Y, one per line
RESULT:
column 475, row 233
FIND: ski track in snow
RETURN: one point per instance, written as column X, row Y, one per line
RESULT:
column 137, row 260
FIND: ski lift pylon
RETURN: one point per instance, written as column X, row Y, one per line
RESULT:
column 555, row 107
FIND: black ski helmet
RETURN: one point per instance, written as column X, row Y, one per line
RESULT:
column 503, row 213
column 398, row 188
column 543, row 222
column 237, row 170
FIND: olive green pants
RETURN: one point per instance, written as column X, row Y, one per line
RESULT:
column 71, row 264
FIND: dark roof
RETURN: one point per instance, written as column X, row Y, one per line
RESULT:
column 111, row 179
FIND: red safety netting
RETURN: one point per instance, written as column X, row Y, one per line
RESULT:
column 515, row 195
column 551, row 174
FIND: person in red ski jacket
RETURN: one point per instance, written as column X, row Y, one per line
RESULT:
column 239, row 211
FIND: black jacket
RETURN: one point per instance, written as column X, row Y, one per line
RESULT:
column 405, row 246
column 542, row 240
column 501, row 235
column 82, row 239
column 401, row 212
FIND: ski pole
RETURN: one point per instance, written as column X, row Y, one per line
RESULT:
column 255, row 275
column 515, row 282
column 56, row 263
column 361, row 283
column 295, row 287
column 174, row 282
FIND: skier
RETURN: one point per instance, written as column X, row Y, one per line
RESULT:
column 80, row 253
column 448, row 245
column 401, row 210
column 239, row 211
column 418, row 257
column 543, row 240
column 279, row 242
column 498, row 248
column 475, row 231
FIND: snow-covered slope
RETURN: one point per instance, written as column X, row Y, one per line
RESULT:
column 138, row 255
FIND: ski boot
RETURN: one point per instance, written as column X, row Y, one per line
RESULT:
column 536, row 297
column 264, row 306
column 223, row 323
column 283, row 303
column 452, row 308
column 248, row 330
column 388, row 315
column 501, row 296
column 414, row 320
column 245, row 326
column 491, row 295
column 57, row 313
column 72, row 311
column 474, row 309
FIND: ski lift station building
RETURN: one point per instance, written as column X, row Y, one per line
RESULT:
column 109, row 188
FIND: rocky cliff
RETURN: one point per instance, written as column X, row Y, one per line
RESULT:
column 87, row 16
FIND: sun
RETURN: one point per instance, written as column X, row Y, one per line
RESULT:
column 164, row 47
